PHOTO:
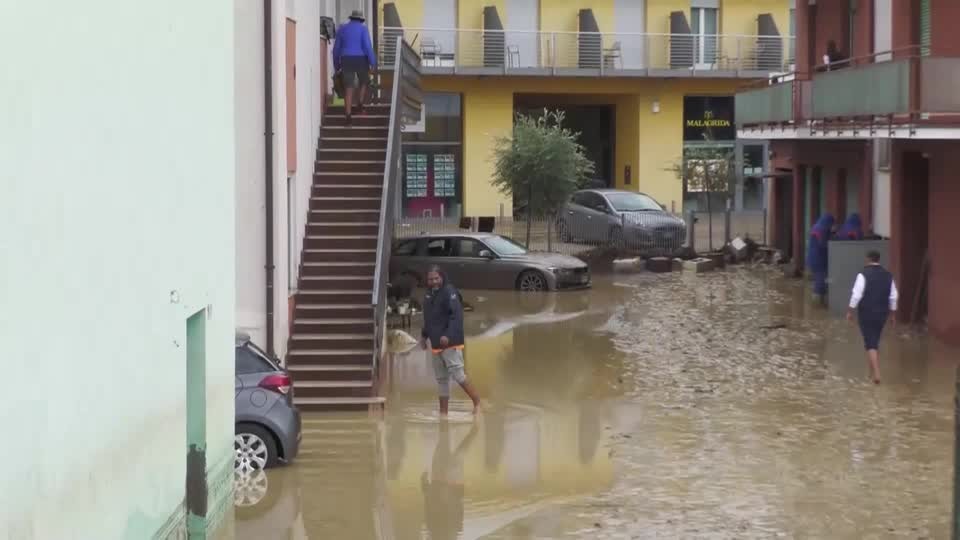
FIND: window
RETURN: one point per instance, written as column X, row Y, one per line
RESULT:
column 432, row 160
column 580, row 198
column 444, row 119
column 469, row 247
column 632, row 202
column 704, row 23
column 249, row 362
column 883, row 154
column 407, row 248
column 505, row 246
column 440, row 247
column 596, row 202
column 793, row 38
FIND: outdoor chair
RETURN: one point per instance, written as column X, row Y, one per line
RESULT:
column 613, row 56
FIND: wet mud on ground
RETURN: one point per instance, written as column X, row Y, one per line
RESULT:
column 650, row 406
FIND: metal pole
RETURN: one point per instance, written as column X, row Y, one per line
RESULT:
column 956, row 457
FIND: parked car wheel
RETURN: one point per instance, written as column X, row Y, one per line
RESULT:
column 255, row 448
column 531, row 281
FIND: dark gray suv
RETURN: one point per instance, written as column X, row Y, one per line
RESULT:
column 621, row 218
column 267, row 423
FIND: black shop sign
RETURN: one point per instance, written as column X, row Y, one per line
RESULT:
column 708, row 118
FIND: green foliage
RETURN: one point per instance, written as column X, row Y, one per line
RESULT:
column 542, row 164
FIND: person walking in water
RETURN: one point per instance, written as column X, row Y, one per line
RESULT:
column 817, row 254
column 874, row 298
column 353, row 57
column 443, row 333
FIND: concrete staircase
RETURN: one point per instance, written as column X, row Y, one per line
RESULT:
column 331, row 345
column 341, row 468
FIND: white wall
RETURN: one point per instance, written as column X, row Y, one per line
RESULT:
column 117, row 152
column 251, row 214
column 881, row 194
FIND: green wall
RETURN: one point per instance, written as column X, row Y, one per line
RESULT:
column 117, row 220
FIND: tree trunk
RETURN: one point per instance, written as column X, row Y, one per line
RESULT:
column 710, row 221
column 549, row 232
column 529, row 213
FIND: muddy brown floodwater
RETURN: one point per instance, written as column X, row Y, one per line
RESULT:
column 651, row 406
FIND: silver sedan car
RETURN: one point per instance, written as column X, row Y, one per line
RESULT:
column 621, row 218
column 487, row 261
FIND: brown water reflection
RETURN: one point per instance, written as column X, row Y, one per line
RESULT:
column 647, row 407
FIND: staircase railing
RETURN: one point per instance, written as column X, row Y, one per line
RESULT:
column 406, row 101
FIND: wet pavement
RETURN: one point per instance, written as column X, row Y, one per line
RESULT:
column 651, row 406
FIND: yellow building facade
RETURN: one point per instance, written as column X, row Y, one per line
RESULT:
column 645, row 61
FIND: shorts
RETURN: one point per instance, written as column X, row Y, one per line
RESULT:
column 871, row 327
column 356, row 71
column 448, row 364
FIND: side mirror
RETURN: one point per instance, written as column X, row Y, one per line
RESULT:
column 486, row 254
column 663, row 206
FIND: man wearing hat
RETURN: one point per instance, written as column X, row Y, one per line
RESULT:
column 353, row 56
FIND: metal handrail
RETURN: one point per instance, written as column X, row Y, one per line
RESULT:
column 405, row 104
column 613, row 52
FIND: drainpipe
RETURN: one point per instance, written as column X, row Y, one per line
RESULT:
column 268, row 165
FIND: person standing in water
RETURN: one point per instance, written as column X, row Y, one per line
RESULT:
column 443, row 333
column 817, row 255
column 353, row 56
column 874, row 298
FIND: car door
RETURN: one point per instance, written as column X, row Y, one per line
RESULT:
column 405, row 259
column 596, row 229
column 575, row 216
column 477, row 272
column 440, row 252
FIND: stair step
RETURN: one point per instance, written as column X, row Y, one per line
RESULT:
column 329, row 352
column 336, row 384
column 330, row 337
column 345, row 203
column 307, row 325
column 335, row 278
column 376, row 400
column 333, row 142
column 327, row 368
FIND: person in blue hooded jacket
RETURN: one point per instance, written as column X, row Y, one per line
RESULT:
column 443, row 334
column 353, row 57
column 817, row 253
column 852, row 229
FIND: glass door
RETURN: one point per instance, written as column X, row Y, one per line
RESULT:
column 705, row 25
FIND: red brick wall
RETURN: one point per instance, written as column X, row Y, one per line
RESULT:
column 945, row 40
column 944, row 291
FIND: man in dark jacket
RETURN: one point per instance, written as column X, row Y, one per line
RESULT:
column 443, row 333
column 875, row 299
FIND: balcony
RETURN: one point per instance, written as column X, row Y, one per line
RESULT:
column 895, row 88
column 591, row 54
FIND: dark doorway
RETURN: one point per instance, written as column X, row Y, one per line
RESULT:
column 914, row 235
column 783, row 196
column 594, row 123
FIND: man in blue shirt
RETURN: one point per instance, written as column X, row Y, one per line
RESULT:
column 874, row 297
column 353, row 56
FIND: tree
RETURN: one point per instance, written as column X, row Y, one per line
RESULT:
column 540, row 166
column 708, row 170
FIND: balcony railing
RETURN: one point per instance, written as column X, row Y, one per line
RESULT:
column 891, row 86
column 592, row 53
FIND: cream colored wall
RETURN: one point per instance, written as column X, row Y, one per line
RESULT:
column 739, row 18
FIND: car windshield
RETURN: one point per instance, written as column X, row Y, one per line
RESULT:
column 632, row 202
column 504, row 246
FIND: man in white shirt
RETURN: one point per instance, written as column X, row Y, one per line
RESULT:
column 874, row 298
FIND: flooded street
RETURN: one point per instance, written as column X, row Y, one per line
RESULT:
column 651, row 406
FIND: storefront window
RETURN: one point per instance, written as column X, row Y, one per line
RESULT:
column 432, row 161
column 707, row 123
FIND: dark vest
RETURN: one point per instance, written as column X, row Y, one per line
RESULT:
column 876, row 294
